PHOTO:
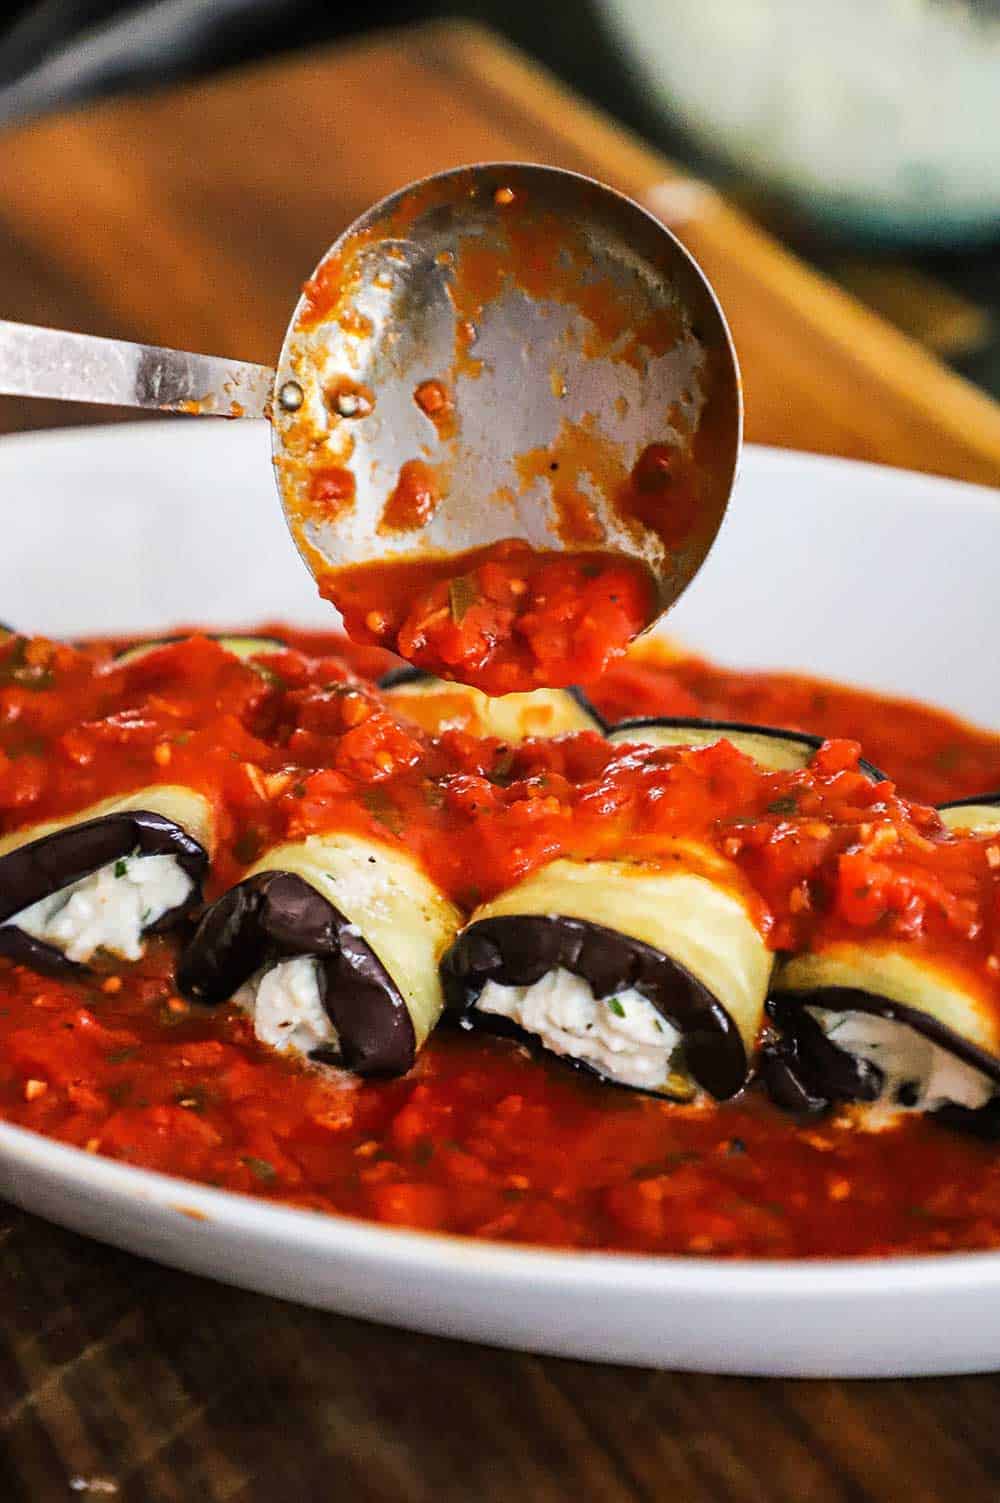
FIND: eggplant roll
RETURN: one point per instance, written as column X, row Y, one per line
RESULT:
column 874, row 1023
column 773, row 749
column 332, row 946
column 650, row 976
column 104, row 877
column 871, row 1023
column 436, row 705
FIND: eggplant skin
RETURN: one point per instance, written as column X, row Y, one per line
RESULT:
column 588, row 708
column 519, row 949
column 25, row 949
column 986, row 799
column 37, row 868
column 792, row 749
column 805, row 1072
column 787, row 1084
column 982, row 1123
column 398, row 678
column 276, row 914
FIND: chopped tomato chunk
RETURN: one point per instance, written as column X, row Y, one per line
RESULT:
column 505, row 619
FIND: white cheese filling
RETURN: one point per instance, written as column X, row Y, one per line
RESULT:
column 286, row 1005
column 918, row 1075
column 623, row 1036
column 109, row 909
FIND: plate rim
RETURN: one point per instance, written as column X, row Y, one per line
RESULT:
column 516, row 1263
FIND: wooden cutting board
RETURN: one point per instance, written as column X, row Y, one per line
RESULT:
column 189, row 217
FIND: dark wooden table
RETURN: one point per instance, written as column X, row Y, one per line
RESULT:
column 189, row 218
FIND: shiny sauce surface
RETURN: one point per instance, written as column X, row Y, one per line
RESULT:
column 482, row 1137
column 506, row 618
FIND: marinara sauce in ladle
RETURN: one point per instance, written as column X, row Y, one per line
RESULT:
column 506, row 420
column 506, row 424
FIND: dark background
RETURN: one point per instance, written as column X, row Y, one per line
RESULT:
column 55, row 52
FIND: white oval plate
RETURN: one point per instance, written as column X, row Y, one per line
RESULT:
column 868, row 574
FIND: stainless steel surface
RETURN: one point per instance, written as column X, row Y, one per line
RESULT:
column 37, row 362
column 547, row 372
column 570, row 331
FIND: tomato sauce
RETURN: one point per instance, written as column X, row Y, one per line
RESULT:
column 931, row 755
column 504, row 618
column 662, row 493
column 481, row 1137
column 437, row 403
column 413, row 500
column 332, row 490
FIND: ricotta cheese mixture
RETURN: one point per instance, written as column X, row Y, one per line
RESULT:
column 623, row 1036
column 917, row 1075
column 109, row 909
column 286, row 1005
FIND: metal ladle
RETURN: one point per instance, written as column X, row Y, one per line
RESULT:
column 563, row 331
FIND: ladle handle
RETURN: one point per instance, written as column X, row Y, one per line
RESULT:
column 37, row 362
